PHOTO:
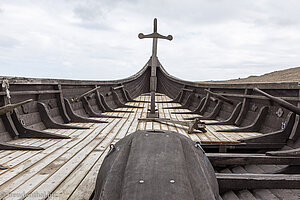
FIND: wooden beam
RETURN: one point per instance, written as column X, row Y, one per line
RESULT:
column 222, row 159
column 221, row 97
column 118, row 87
column 280, row 101
column 32, row 92
column 229, row 182
column 257, row 96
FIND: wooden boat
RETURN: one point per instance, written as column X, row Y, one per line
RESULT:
column 55, row 134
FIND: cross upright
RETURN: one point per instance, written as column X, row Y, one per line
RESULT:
column 154, row 61
column 154, row 64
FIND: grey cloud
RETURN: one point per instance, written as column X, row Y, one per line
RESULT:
column 8, row 42
column 214, row 39
column 94, row 26
column 91, row 10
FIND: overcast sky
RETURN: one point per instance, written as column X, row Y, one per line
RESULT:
column 97, row 39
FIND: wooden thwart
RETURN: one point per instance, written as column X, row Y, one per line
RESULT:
column 222, row 159
column 257, row 181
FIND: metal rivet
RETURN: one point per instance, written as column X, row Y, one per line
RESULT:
column 172, row 181
column 146, row 134
column 141, row 181
column 167, row 135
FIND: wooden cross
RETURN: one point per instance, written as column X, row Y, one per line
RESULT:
column 154, row 63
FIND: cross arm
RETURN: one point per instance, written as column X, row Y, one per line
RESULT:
column 155, row 35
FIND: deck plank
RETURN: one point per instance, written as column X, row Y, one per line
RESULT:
column 68, row 168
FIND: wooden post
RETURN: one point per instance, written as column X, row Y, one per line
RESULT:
column 154, row 64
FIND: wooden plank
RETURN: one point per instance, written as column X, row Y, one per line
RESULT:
column 220, row 136
column 74, row 174
column 88, row 183
column 25, row 155
column 68, row 148
column 68, row 166
column 17, row 166
column 31, row 92
column 264, row 194
column 230, row 195
column 66, row 188
column 24, row 141
column 138, row 112
column 229, row 182
column 162, row 112
column 218, row 159
column 181, row 129
column 142, row 124
column 245, row 194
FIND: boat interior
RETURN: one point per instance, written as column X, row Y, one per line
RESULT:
column 55, row 134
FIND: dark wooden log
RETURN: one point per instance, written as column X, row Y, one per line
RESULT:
column 257, row 181
column 49, row 122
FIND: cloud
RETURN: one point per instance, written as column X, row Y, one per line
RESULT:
column 97, row 39
column 8, row 42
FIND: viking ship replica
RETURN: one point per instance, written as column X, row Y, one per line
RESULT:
column 149, row 136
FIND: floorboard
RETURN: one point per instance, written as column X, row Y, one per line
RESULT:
column 67, row 168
